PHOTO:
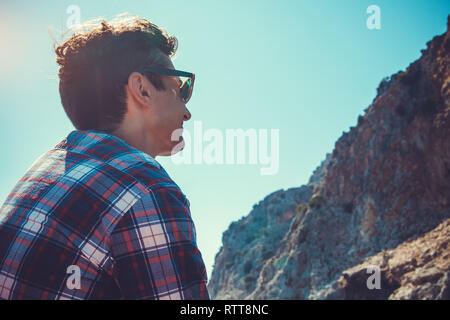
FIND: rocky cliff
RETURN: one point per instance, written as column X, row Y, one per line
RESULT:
column 382, row 197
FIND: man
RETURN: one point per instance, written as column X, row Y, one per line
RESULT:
column 97, row 217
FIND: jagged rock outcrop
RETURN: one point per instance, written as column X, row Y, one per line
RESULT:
column 419, row 269
column 249, row 242
column 385, row 186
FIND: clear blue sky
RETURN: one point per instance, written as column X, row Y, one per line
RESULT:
column 307, row 68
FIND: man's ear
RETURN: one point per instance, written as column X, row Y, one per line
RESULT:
column 139, row 87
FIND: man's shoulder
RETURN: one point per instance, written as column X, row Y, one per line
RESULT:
column 62, row 175
column 111, row 155
column 140, row 177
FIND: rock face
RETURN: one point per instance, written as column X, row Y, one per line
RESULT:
column 419, row 269
column 382, row 197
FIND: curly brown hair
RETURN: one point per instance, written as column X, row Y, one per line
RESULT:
column 95, row 66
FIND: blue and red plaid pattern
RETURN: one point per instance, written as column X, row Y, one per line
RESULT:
column 97, row 205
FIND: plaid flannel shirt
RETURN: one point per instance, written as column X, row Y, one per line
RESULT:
column 95, row 218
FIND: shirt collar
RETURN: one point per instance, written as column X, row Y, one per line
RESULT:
column 104, row 146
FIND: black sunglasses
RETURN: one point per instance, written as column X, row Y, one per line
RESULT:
column 185, row 88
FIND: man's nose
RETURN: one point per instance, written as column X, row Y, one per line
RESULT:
column 187, row 115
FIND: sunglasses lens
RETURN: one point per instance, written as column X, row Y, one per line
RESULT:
column 186, row 90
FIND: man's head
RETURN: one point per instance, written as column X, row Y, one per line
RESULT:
column 101, row 88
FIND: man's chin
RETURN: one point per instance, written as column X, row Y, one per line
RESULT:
column 175, row 149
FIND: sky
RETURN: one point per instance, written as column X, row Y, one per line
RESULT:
column 297, row 73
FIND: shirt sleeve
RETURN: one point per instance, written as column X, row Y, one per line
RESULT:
column 155, row 251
